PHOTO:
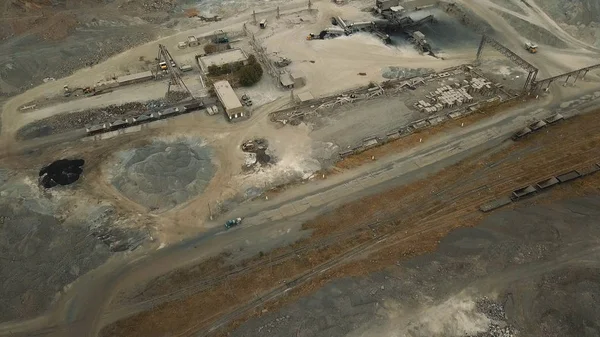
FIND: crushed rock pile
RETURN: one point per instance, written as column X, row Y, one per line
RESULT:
column 65, row 122
column 163, row 174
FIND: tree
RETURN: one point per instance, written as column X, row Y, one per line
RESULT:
column 210, row 48
column 250, row 74
column 214, row 70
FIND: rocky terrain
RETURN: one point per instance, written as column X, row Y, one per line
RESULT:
column 581, row 18
column 48, row 239
column 527, row 272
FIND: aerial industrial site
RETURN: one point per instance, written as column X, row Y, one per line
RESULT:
column 361, row 168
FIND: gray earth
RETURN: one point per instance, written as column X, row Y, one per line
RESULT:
column 580, row 18
column 528, row 272
column 42, row 250
column 532, row 32
column 162, row 175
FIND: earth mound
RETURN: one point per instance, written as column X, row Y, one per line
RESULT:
column 162, row 175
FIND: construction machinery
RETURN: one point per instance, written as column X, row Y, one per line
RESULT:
column 220, row 37
column 531, row 47
column 418, row 39
column 232, row 223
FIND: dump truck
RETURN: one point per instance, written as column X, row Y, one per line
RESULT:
column 232, row 223
column 531, row 47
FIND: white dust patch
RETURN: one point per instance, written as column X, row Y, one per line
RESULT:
column 296, row 157
column 457, row 316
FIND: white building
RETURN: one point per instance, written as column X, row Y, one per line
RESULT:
column 222, row 58
column 227, row 97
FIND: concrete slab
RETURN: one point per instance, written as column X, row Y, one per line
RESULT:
column 547, row 183
column 537, row 125
column 419, row 125
column 521, row 133
column 523, row 192
column 435, row 120
column 563, row 178
column 492, row 205
column 589, row 170
column 455, row 114
column 346, row 153
column 370, row 143
column 393, row 135
column 554, row 118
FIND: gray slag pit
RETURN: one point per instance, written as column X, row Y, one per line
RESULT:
column 163, row 175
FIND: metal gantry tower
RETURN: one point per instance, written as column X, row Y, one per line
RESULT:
column 175, row 79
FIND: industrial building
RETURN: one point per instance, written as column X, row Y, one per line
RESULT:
column 135, row 78
column 295, row 79
column 298, row 78
column 220, row 59
column 231, row 103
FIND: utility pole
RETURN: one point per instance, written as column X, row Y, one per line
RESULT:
column 309, row 5
column 277, row 12
column 254, row 16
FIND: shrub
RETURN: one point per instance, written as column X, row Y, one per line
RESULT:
column 250, row 74
column 210, row 48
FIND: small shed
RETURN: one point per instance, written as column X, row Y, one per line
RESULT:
column 286, row 80
column 193, row 41
column 298, row 78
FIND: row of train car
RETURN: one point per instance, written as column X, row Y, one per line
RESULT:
column 145, row 118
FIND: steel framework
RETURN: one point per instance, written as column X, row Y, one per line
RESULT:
column 533, row 71
column 165, row 56
column 579, row 73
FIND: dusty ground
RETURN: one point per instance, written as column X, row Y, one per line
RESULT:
column 50, row 238
column 298, row 155
column 444, row 201
column 522, row 260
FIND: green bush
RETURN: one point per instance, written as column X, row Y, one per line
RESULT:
column 251, row 73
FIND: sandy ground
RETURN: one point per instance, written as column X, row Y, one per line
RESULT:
column 340, row 60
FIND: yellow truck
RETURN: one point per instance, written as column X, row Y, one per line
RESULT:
column 531, row 47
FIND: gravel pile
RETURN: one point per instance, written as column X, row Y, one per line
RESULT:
column 399, row 72
column 78, row 120
column 176, row 96
column 532, row 32
column 163, row 175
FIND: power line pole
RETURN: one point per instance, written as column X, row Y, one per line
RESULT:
column 277, row 12
column 254, row 16
column 309, row 5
